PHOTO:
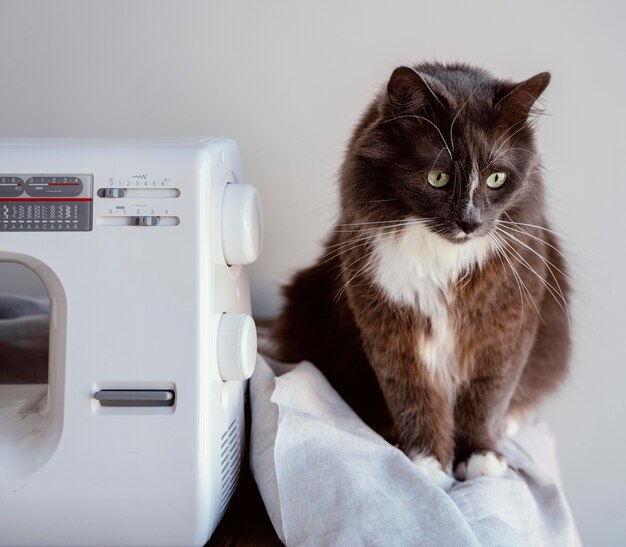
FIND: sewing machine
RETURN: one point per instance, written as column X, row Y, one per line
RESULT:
column 132, row 431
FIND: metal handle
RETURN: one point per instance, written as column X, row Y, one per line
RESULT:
column 135, row 397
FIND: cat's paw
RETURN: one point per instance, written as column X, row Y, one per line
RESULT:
column 482, row 464
column 434, row 470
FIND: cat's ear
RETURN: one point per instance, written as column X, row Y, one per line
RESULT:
column 408, row 87
column 515, row 104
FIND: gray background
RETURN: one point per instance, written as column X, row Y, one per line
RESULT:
column 288, row 80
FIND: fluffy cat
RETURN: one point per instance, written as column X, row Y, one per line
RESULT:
column 439, row 307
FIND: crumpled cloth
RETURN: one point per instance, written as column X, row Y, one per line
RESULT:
column 326, row 478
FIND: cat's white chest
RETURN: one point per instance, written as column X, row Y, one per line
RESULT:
column 416, row 269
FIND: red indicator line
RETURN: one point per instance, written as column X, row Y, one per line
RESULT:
column 46, row 199
column 63, row 184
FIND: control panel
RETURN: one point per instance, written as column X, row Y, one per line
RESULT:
column 46, row 202
column 138, row 200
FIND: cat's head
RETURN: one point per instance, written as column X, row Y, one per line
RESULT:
column 449, row 144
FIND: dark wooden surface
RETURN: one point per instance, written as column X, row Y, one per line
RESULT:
column 246, row 522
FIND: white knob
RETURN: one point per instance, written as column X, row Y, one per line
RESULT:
column 242, row 227
column 236, row 346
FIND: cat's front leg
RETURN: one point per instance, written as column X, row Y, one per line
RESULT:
column 425, row 428
column 479, row 421
column 422, row 414
column 421, row 408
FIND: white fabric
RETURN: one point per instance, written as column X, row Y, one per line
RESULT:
column 327, row 479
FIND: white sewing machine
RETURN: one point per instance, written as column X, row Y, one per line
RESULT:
column 137, row 434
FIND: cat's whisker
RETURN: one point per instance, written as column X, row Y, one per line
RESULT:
column 363, row 232
column 530, row 297
column 369, row 265
column 500, row 253
column 368, row 239
column 375, row 201
column 509, row 138
column 427, row 86
column 518, row 224
column 351, row 240
column 506, row 161
column 548, row 264
column 527, row 150
column 503, row 254
column 436, row 159
column 497, row 141
column 457, row 115
column 504, row 135
column 438, row 131
column 343, row 253
column 462, row 167
column 436, row 228
column 504, row 158
column 364, row 270
column 333, row 251
column 558, row 297
column 460, row 164
column 456, row 177
column 553, row 247
column 433, row 227
column 377, row 222
column 422, row 118
column 350, row 245
column 505, row 248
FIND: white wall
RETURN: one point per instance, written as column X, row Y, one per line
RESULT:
column 288, row 80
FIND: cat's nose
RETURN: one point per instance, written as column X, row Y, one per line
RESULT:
column 468, row 226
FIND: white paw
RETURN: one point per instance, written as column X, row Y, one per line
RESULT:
column 434, row 470
column 480, row 464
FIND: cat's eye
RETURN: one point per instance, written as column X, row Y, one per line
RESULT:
column 495, row 180
column 438, row 178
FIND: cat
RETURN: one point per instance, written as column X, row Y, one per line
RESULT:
column 439, row 308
